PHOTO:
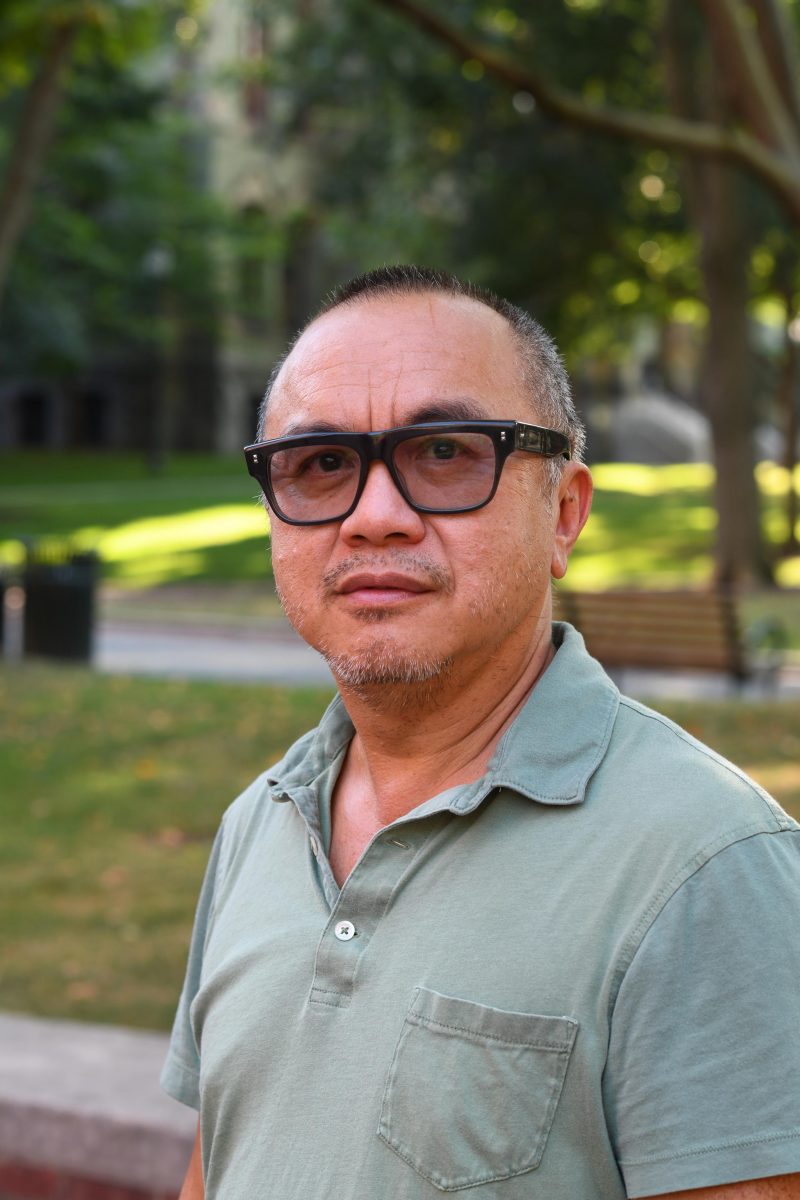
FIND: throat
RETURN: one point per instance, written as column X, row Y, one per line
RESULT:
column 353, row 826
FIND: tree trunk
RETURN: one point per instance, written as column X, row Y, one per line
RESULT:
column 727, row 378
column 713, row 194
column 30, row 145
column 787, row 398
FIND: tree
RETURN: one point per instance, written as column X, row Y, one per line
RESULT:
column 111, row 273
column 33, row 137
column 754, row 42
column 39, row 42
column 753, row 122
column 411, row 159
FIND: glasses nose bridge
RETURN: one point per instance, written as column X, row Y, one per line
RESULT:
column 379, row 446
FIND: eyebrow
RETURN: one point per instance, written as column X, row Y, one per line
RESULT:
column 449, row 410
column 297, row 427
column 436, row 410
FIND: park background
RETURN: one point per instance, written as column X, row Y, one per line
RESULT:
column 180, row 184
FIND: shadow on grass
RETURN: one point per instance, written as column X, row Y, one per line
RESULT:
column 650, row 527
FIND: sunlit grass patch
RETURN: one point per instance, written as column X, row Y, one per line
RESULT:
column 640, row 479
column 182, row 531
column 146, row 531
column 773, row 479
column 629, row 566
column 165, row 549
column 651, row 526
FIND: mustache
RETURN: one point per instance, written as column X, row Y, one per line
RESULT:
column 425, row 569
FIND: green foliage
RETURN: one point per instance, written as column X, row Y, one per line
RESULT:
column 417, row 159
column 420, row 157
column 119, row 225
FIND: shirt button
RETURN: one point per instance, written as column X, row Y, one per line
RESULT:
column 314, row 846
column 345, row 930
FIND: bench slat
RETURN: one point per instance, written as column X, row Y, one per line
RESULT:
column 671, row 629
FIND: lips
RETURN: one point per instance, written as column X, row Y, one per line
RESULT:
column 380, row 582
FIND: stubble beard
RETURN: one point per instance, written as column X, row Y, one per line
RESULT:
column 416, row 675
column 390, row 678
column 396, row 675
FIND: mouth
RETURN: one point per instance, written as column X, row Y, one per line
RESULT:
column 378, row 588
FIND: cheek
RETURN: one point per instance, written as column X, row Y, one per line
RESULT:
column 481, row 556
column 294, row 559
column 508, row 556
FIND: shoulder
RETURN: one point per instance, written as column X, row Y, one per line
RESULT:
column 673, row 773
column 660, row 808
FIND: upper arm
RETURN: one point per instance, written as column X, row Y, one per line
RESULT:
column 777, row 1187
column 703, row 1060
column 193, row 1186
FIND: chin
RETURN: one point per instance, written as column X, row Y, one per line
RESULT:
column 383, row 663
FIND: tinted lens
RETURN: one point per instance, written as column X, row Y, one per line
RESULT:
column 447, row 471
column 314, row 483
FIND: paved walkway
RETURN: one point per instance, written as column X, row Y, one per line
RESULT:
column 268, row 650
column 275, row 653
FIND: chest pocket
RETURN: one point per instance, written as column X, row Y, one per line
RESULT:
column 472, row 1091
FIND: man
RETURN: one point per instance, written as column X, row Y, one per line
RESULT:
column 491, row 927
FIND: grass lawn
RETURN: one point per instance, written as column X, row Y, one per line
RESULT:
column 199, row 521
column 113, row 788
column 112, row 791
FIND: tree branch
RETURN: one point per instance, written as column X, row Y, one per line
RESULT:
column 673, row 133
column 780, row 47
column 756, row 94
column 31, row 141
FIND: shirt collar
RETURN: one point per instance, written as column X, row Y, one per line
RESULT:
column 549, row 753
column 560, row 737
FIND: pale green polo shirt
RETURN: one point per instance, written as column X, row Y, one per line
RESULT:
column 576, row 979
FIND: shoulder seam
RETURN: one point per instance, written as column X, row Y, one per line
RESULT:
column 708, row 752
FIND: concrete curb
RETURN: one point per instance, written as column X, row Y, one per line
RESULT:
column 85, row 1100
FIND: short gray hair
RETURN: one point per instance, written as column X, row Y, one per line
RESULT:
column 544, row 372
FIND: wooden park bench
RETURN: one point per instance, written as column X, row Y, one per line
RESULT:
column 674, row 630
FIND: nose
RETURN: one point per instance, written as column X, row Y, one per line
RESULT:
column 382, row 515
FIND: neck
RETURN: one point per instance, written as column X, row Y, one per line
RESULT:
column 414, row 741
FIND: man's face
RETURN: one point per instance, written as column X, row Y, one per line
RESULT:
column 390, row 595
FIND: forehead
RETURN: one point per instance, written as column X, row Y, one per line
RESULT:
column 384, row 361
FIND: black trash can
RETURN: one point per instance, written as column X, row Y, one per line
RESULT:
column 60, row 586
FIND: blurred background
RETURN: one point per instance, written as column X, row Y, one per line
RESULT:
column 181, row 182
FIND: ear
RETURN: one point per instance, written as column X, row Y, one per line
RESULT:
column 573, row 502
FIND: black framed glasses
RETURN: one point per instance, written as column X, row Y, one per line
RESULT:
column 441, row 467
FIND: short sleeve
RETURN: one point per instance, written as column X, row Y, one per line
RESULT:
column 180, row 1076
column 701, row 1084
